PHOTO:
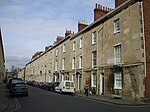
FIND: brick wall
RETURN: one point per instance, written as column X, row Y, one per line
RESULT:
column 119, row 2
column 146, row 9
column 100, row 11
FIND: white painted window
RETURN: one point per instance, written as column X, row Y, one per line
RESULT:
column 94, row 59
column 80, row 62
column 93, row 79
column 118, row 80
column 94, row 37
column 81, row 42
column 64, row 48
column 117, row 54
column 73, row 63
column 33, row 71
column 63, row 64
column 57, row 52
column 117, row 26
column 74, row 46
column 56, row 64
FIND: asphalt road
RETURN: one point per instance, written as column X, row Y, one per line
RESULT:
column 44, row 101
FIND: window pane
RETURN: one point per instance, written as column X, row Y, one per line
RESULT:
column 118, row 80
column 94, row 37
column 116, row 26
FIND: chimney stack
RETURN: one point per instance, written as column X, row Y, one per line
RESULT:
column 82, row 24
column 100, row 11
column 68, row 32
column 119, row 2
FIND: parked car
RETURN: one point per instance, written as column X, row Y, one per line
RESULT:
column 66, row 86
column 18, row 88
column 12, row 80
column 44, row 85
column 52, row 85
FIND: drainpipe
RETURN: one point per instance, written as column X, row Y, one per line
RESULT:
column 101, row 29
column 141, row 4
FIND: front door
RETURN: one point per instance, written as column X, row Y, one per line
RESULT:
column 102, row 84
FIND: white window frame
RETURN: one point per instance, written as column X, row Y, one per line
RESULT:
column 64, row 48
column 117, row 80
column 74, row 45
column 80, row 61
column 93, row 80
column 94, row 61
column 57, row 52
column 117, row 26
column 63, row 64
column 117, row 53
column 56, row 64
column 94, row 35
column 33, row 71
column 81, row 42
column 73, row 62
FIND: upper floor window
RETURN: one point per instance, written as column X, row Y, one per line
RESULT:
column 80, row 62
column 94, row 37
column 56, row 64
column 63, row 64
column 73, row 63
column 117, row 26
column 81, row 42
column 64, row 48
column 74, row 46
column 57, row 52
column 94, row 59
column 117, row 54
column 33, row 71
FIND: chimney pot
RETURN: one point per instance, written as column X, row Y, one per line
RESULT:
column 96, row 6
column 103, row 7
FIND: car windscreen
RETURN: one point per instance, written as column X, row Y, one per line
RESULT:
column 69, row 84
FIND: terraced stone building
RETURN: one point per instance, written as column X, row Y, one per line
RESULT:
column 112, row 53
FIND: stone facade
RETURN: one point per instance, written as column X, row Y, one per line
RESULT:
column 109, row 54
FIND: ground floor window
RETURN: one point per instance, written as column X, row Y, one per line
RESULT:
column 117, row 80
column 93, row 80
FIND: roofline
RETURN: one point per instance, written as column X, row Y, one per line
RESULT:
column 97, row 22
column 106, row 17
column 50, row 49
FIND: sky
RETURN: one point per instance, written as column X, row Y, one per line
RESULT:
column 28, row 26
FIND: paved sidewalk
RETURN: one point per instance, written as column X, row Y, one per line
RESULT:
column 4, row 101
column 7, row 104
column 109, row 99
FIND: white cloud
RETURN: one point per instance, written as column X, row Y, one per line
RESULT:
column 30, row 25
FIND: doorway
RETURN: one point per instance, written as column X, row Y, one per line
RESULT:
column 102, row 84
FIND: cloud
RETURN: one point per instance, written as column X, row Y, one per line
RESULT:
column 16, row 61
column 30, row 25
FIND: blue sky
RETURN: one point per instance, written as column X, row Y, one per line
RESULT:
column 30, row 25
